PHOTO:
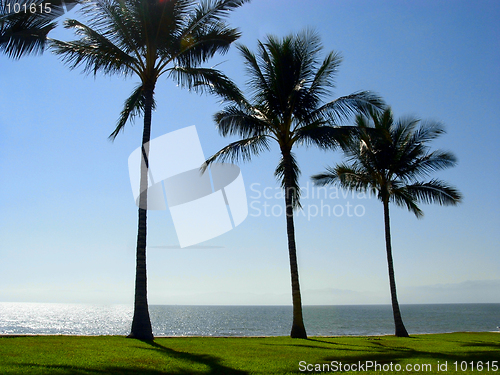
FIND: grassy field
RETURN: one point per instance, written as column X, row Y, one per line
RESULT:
column 269, row 355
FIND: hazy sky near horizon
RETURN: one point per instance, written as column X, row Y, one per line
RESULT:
column 68, row 221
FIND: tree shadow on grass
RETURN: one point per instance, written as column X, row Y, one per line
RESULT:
column 75, row 370
column 396, row 354
column 213, row 363
column 397, row 350
column 183, row 365
column 340, row 346
column 347, row 346
column 483, row 345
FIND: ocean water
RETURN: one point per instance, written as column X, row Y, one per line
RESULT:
column 83, row 319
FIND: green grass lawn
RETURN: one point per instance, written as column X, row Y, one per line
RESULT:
column 269, row 355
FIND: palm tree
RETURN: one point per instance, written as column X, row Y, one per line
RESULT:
column 25, row 24
column 150, row 38
column 388, row 158
column 288, row 83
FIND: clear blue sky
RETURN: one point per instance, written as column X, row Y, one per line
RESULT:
column 68, row 222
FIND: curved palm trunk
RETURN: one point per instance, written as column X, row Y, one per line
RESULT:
column 298, row 328
column 398, row 321
column 141, row 323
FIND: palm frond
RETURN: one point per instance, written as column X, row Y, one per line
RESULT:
column 428, row 131
column 435, row 191
column 241, row 150
column 388, row 156
column 403, row 197
column 330, row 177
column 257, row 83
column 240, row 121
column 325, row 137
column 25, row 32
column 353, row 177
column 206, row 80
column 94, row 51
column 287, row 173
column 209, row 12
column 427, row 164
column 133, row 107
column 346, row 176
column 204, row 33
column 121, row 22
column 344, row 107
column 205, row 43
column 323, row 79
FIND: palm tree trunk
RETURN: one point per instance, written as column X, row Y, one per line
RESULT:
column 141, row 322
column 298, row 328
column 398, row 321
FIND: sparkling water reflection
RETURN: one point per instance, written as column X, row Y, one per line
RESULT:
column 81, row 319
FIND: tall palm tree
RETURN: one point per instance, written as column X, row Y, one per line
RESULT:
column 288, row 83
column 389, row 157
column 25, row 24
column 150, row 38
